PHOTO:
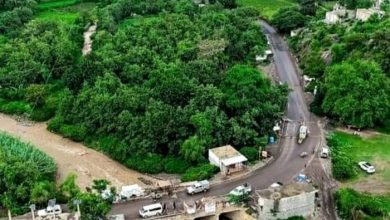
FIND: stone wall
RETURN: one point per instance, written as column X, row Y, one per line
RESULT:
column 299, row 205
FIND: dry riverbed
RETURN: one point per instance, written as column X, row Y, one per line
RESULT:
column 71, row 157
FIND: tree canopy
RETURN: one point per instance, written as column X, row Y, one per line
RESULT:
column 357, row 92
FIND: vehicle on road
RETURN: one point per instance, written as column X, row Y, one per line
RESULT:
column 367, row 167
column 324, row 153
column 131, row 191
column 151, row 210
column 276, row 184
column 241, row 190
column 197, row 187
column 303, row 154
column 50, row 210
column 302, row 133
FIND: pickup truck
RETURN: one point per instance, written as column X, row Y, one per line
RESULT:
column 50, row 210
column 241, row 190
column 197, row 187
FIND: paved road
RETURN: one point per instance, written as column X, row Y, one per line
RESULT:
column 288, row 163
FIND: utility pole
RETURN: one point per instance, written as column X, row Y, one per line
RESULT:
column 77, row 203
column 9, row 214
column 32, row 208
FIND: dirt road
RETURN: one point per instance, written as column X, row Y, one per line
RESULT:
column 71, row 157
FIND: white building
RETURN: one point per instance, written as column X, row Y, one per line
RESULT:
column 297, row 199
column 363, row 14
column 227, row 158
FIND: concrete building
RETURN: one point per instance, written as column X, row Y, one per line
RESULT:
column 364, row 14
column 297, row 199
column 227, row 158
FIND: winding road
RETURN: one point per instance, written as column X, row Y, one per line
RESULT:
column 287, row 165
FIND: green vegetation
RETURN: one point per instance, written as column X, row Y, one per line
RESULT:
column 351, row 63
column 251, row 153
column 267, row 8
column 26, row 174
column 344, row 167
column 354, row 205
column 288, row 19
column 51, row 4
column 165, row 85
column 239, row 199
column 61, row 16
column 374, row 149
column 201, row 172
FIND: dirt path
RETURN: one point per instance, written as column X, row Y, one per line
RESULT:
column 87, row 39
column 72, row 157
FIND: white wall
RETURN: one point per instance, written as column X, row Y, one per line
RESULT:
column 214, row 159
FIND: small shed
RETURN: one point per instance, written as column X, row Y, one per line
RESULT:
column 227, row 158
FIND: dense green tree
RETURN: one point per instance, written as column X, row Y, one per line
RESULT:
column 42, row 192
column 92, row 206
column 192, row 149
column 357, row 92
column 287, row 19
column 308, row 7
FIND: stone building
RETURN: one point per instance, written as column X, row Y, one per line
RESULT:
column 297, row 199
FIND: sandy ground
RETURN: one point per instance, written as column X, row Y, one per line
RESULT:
column 72, row 157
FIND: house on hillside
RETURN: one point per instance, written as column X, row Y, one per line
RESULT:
column 227, row 158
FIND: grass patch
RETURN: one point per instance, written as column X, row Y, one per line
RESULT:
column 375, row 149
column 66, row 15
column 63, row 17
column 51, row 4
column 267, row 8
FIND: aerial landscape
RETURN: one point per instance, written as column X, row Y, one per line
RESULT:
column 195, row 109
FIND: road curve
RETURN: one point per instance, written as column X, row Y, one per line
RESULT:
column 288, row 163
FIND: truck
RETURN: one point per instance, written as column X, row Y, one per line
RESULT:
column 199, row 186
column 302, row 133
column 50, row 210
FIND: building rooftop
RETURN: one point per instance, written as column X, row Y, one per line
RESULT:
column 226, row 151
column 286, row 190
column 228, row 155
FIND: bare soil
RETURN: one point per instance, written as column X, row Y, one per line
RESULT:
column 87, row 39
column 72, row 157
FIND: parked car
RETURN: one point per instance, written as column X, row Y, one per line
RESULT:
column 276, row 184
column 324, row 152
column 50, row 210
column 197, row 187
column 366, row 167
column 241, row 190
column 151, row 210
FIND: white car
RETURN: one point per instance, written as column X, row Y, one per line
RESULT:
column 50, row 210
column 197, row 187
column 241, row 190
column 366, row 167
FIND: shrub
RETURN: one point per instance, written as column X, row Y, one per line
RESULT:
column 200, row 172
column 74, row 132
column 54, row 125
column 349, row 202
column 343, row 167
column 250, row 152
column 152, row 163
column 42, row 114
column 15, row 107
column 175, row 165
